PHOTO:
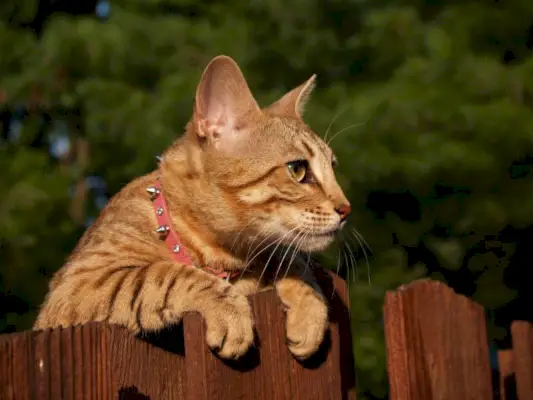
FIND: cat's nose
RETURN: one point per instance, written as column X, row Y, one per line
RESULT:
column 344, row 210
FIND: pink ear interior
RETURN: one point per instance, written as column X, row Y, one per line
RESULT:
column 223, row 100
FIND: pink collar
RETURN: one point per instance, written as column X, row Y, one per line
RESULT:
column 170, row 236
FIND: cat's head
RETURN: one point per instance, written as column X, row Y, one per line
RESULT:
column 273, row 173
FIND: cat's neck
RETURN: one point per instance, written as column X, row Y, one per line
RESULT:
column 189, row 199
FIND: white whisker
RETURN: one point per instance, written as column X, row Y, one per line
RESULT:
column 360, row 240
column 279, row 241
column 286, row 252
column 333, row 121
column 343, row 130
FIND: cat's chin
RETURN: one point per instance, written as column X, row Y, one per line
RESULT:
column 314, row 244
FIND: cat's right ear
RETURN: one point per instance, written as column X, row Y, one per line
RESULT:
column 224, row 104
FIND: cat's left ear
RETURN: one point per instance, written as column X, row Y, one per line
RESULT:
column 224, row 107
column 293, row 103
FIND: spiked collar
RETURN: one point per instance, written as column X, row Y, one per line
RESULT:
column 170, row 236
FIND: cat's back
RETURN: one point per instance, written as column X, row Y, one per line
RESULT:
column 123, row 228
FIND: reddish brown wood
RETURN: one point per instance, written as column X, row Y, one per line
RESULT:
column 340, row 315
column 15, row 367
column 278, row 375
column 40, row 364
column 522, row 334
column 267, row 378
column 68, row 372
column 436, row 344
column 79, row 365
column 335, row 376
column 141, row 369
column 54, row 363
column 507, row 377
column 98, row 361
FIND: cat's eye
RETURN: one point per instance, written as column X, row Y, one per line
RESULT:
column 298, row 170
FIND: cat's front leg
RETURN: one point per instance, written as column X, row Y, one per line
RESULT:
column 149, row 298
column 226, row 311
column 306, row 313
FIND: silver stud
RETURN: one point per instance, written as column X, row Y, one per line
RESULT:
column 159, row 211
column 163, row 230
column 176, row 248
column 159, row 158
column 153, row 191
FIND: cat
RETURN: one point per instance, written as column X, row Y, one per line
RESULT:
column 240, row 181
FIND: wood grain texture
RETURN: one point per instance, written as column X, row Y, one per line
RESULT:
column 143, row 371
column 15, row 366
column 269, row 370
column 250, row 378
column 436, row 344
column 507, row 383
column 522, row 335
column 101, row 362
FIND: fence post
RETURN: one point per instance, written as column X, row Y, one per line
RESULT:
column 522, row 335
column 270, row 372
column 15, row 365
column 436, row 344
column 99, row 361
column 507, row 383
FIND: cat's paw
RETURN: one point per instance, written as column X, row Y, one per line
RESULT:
column 230, row 327
column 306, row 326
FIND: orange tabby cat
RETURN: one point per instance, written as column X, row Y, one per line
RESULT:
column 242, row 183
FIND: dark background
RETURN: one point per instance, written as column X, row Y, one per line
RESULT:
column 432, row 102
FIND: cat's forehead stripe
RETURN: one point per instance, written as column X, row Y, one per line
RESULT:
column 309, row 149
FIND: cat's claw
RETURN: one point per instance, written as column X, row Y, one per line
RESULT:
column 230, row 327
column 306, row 327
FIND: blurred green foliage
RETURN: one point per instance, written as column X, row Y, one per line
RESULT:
column 429, row 103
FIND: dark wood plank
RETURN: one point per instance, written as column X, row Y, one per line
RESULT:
column 78, row 364
column 277, row 374
column 272, row 375
column 436, row 344
column 87, row 363
column 507, row 383
column 68, row 372
column 141, row 370
column 330, row 373
column 522, row 335
column 15, row 366
column 54, row 364
column 101, row 375
column 41, row 364
column 98, row 361
column 340, row 316
column 262, row 374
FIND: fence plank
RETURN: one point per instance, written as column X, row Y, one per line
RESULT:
column 507, row 384
column 522, row 335
column 143, row 371
column 68, row 372
column 335, row 378
column 41, row 366
column 210, row 378
column 436, row 344
column 15, row 366
column 99, row 361
column 278, row 375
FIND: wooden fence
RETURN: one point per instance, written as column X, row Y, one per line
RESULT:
column 437, row 348
column 436, row 344
column 98, row 361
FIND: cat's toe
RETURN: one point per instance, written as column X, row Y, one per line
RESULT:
column 230, row 332
column 306, row 328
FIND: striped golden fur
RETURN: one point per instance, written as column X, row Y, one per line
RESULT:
column 232, row 199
